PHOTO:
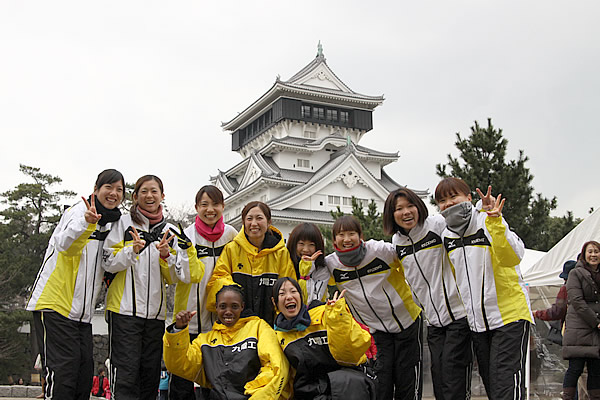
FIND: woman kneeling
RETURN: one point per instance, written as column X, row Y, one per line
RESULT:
column 318, row 341
column 239, row 358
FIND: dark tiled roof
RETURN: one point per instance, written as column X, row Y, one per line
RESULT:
column 297, row 176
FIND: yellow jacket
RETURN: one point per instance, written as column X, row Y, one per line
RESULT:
column 244, row 359
column 255, row 270
column 333, row 339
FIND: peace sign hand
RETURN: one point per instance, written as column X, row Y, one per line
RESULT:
column 335, row 298
column 487, row 200
column 183, row 241
column 91, row 216
column 498, row 205
column 163, row 245
column 312, row 257
column 138, row 243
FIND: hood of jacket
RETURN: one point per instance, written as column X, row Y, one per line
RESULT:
column 242, row 240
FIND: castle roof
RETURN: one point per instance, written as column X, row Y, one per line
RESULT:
column 315, row 82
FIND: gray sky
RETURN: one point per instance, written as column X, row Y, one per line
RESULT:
column 142, row 86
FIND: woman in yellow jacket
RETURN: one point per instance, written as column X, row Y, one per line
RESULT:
column 239, row 358
column 255, row 259
column 319, row 341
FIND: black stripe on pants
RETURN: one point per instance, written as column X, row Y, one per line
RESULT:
column 135, row 353
column 399, row 363
column 66, row 349
column 451, row 360
column 501, row 355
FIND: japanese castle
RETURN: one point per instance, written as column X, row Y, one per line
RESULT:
column 299, row 144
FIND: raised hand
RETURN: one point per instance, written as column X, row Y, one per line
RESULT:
column 183, row 318
column 498, row 205
column 487, row 200
column 91, row 216
column 335, row 298
column 163, row 245
column 183, row 241
column 312, row 257
column 138, row 242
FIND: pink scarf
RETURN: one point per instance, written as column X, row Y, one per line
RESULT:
column 208, row 233
column 153, row 218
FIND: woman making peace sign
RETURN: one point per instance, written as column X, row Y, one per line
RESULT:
column 67, row 285
column 143, row 260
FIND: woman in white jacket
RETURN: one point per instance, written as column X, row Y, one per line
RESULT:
column 418, row 242
column 199, row 249
column 139, row 253
column 65, row 290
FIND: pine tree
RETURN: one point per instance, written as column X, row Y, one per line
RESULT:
column 31, row 213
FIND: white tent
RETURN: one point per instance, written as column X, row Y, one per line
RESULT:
column 546, row 270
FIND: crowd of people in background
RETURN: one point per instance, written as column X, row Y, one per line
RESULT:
column 253, row 318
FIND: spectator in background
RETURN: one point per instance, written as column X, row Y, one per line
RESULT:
column 100, row 384
column 581, row 342
column 558, row 310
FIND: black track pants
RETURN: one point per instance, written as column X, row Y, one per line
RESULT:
column 66, row 350
column 399, row 363
column 501, row 355
column 451, row 360
column 135, row 354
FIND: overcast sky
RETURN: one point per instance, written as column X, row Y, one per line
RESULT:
column 143, row 86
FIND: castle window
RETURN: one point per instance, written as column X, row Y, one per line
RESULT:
column 344, row 117
column 335, row 200
column 303, row 163
column 319, row 112
column 332, row 115
column 310, row 134
column 305, row 111
column 347, row 201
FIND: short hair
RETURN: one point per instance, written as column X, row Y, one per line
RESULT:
column 138, row 185
column 212, row 192
column 582, row 259
column 231, row 288
column 306, row 232
column 109, row 176
column 100, row 370
column 389, row 222
column 263, row 207
column 344, row 224
column 449, row 186
column 279, row 283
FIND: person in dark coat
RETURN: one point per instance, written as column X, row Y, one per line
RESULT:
column 581, row 341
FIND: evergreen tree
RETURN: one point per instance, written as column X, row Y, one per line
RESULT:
column 482, row 162
column 31, row 213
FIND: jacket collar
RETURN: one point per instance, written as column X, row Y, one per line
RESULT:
column 241, row 240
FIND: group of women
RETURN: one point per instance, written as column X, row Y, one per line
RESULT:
column 252, row 319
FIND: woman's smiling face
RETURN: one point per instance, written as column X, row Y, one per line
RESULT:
column 110, row 195
column 149, row 196
column 208, row 211
column 256, row 225
column 288, row 300
column 406, row 214
column 229, row 307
